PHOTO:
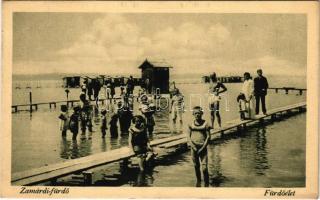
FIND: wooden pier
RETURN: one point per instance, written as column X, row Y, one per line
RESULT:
column 287, row 89
column 53, row 104
column 224, row 79
column 123, row 154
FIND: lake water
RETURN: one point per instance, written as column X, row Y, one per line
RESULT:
column 270, row 156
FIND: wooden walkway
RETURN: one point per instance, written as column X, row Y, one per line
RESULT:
column 55, row 171
column 53, row 104
column 240, row 124
column 287, row 89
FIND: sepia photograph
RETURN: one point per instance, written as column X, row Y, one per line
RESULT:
column 160, row 96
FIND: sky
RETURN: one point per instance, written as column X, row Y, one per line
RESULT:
column 191, row 43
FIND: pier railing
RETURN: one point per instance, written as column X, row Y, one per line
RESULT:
column 53, row 104
column 123, row 154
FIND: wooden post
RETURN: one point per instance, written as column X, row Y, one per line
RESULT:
column 289, row 112
column 55, row 105
column 87, row 177
column 124, row 164
column 30, row 100
column 244, row 126
column 238, row 129
column 300, row 92
column 50, row 105
column 36, row 106
column 287, row 91
column 261, row 120
column 276, row 90
column 221, row 133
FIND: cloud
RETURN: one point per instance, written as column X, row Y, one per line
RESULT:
column 115, row 41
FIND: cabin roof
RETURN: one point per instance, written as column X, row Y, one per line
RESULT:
column 155, row 64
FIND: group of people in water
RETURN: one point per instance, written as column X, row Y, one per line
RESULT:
column 141, row 126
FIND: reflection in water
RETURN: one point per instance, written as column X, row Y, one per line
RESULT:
column 85, row 147
column 103, row 144
column 64, row 148
column 75, row 150
column 69, row 149
column 215, row 166
column 139, row 178
column 96, row 117
column 261, row 159
column 254, row 152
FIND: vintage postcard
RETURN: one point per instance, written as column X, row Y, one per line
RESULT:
column 153, row 99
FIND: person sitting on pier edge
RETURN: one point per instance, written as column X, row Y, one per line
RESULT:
column 177, row 106
column 260, row 91
column 198, row 138
column 64, row 120
column 138, row 140
column 148, row 109
column 104, row 126
column 86, row 114
column 214, row 98
column 74, row 122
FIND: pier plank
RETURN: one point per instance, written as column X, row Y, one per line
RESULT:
column 70, row 166
column 174, row 143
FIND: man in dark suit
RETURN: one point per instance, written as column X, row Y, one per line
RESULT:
column 260, row 91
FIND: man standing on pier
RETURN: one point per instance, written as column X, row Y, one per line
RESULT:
column 260, row 91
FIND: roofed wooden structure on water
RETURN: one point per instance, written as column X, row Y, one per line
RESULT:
column 224, row 79
column 76, row 81
column 155, row 75
column 72, row 81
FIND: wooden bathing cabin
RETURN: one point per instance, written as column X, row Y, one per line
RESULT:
column 155, row 75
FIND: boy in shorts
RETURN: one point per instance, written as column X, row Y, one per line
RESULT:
column 177, row 106
column 198, row 138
